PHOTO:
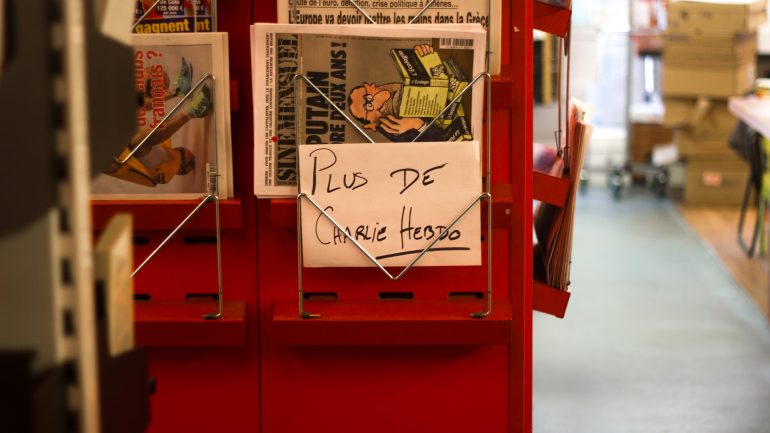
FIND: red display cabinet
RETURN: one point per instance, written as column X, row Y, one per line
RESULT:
column 370, row 363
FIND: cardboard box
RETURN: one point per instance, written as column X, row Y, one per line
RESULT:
column 719, row 80
column 708, row 146
column 645, row 136
column 701, row 115
column 713, row 17
column 715, row 182
column 679, row 48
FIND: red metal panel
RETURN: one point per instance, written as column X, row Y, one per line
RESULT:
column 549, row 189
column 167, row 324
column 165, row 215
column 552, row 19
column 521, row 224
column 267, row 385
column 401, row 387
column 212, row 389
column 392, row 323
column 550, row 300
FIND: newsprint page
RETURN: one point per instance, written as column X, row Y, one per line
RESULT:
column 446, row 12
column 390, row 84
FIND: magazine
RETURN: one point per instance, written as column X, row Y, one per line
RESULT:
column 175, row 16
column 444, row 12
column 407, row 76
column 176, row 160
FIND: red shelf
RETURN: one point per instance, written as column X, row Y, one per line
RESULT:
column 283, row 211
column 551, row 18
column 182, row 324
column 391, row 323
column 502, row 88
column 550, row 300
column 549, row 189
column 167, row 214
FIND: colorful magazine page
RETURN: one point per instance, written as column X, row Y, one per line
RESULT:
column 440, row 12
column 176, row 160
column 388, row 84
column 175, row 16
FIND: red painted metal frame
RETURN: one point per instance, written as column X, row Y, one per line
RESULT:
column 207, row 371
column 475, row 376
column 412, row 365
column 550, row 300
column 551, row 18
column 361, row 323
column 549, row 189
column 167, row 324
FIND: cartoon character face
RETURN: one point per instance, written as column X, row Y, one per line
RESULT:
column 370, row 102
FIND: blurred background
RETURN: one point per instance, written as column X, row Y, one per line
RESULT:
column 667, row 326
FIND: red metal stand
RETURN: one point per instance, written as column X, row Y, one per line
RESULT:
column 207, row 371
column 552, row 17
column 419, row 365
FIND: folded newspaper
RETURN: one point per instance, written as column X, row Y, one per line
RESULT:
column 389, row 82
column 447, row 12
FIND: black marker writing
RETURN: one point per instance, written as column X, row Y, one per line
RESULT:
column 411, row 176
column 426, row 232
column 323, row 160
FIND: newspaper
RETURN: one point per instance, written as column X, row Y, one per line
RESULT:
column 402, row 77
column 554, row 225
column 445, row 12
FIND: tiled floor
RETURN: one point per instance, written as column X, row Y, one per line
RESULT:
column 717, row 226
column 657, row 338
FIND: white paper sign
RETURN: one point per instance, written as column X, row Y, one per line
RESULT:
column 394, row 199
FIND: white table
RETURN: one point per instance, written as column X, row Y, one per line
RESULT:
column 754, row 111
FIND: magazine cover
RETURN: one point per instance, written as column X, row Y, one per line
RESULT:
column 174, row 161
column 175, row 16
column 390, row 83
column 444, row 12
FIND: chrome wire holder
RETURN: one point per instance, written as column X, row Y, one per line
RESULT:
column 211, row 196
column 485, row 195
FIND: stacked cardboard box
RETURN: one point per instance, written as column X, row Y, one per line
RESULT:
column 709, row 54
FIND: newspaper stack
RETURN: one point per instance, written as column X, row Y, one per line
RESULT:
column 553, row 224
column 386, row 84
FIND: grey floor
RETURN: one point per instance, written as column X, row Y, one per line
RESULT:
column 657, row 336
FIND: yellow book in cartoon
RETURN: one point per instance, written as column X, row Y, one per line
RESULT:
column 426, row 83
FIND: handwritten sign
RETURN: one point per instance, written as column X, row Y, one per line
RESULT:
column 394, row 199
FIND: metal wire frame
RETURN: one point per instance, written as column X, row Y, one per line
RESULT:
column 486, row 195
column 147, row 12
column 211, row 195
